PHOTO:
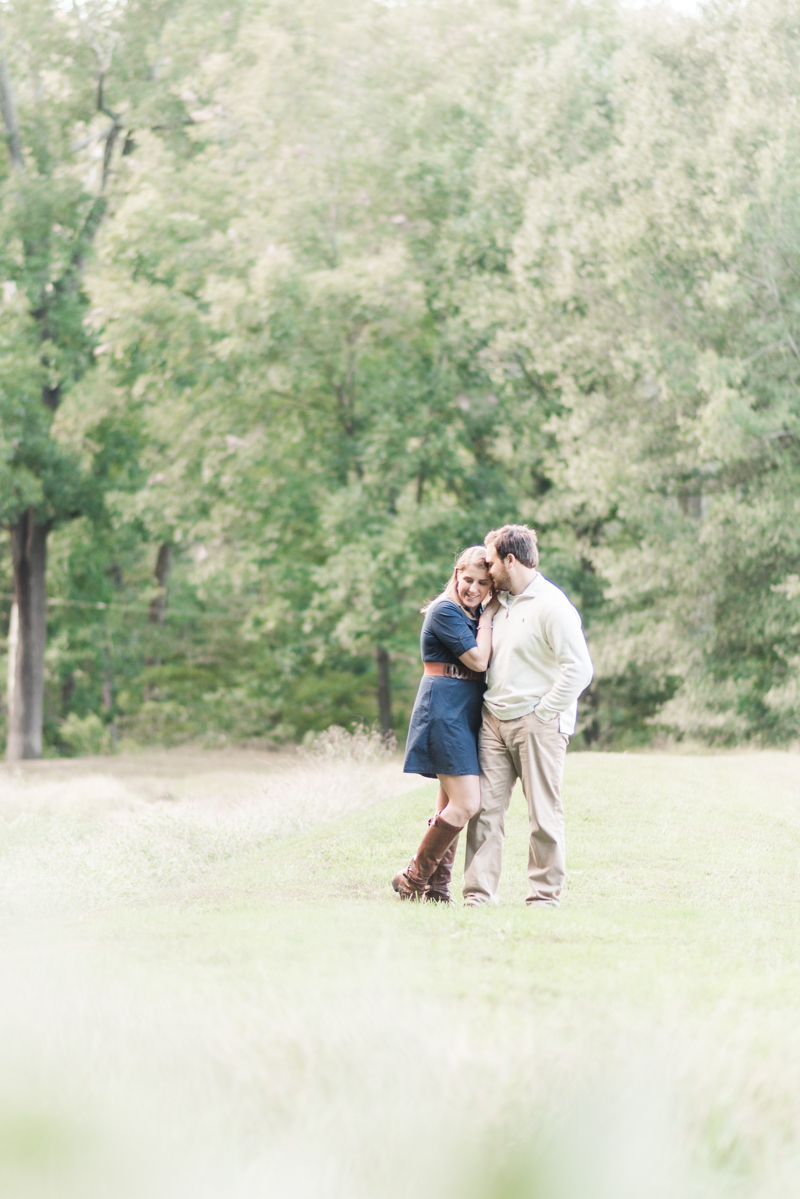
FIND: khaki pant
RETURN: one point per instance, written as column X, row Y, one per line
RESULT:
column 533, row 751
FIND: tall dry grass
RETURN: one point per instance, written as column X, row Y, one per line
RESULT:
column 127, row 830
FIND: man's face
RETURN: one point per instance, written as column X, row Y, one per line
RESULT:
column 498, row 569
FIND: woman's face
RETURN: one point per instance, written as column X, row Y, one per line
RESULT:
column 473, row 585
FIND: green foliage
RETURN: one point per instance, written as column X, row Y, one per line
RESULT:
column 85, row 734
column 373, row 279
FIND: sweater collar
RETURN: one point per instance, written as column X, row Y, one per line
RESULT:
column 507, row 599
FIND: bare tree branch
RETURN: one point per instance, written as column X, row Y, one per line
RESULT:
column 111, row 138
column 9, row 111
column 93, row 138
column 765, row 350
column 102, row 105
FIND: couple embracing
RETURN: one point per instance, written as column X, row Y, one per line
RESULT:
column 504, row 661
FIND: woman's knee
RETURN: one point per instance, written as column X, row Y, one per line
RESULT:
column 464, row 794
column 472, row 808
column 471, row 802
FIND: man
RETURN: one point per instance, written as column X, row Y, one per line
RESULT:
column 539, row 667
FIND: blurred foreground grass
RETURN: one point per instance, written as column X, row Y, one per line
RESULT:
column 207, row 987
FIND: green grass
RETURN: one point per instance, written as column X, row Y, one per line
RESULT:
column 207, row 987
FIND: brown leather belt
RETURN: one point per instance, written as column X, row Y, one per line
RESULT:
column 444, row 670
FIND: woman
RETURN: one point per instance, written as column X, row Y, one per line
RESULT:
column 456, row 645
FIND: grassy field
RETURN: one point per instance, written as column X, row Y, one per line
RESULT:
column 207, row 987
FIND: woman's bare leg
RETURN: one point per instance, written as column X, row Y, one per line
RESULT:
column 441, row 799
column 463, row 793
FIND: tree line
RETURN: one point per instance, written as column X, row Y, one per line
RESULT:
column 299, row 299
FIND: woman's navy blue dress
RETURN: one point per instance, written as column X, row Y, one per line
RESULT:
column 443, row 734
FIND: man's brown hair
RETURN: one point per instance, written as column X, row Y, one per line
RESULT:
column 518, row 540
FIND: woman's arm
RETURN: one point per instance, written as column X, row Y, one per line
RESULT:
column 478, row 658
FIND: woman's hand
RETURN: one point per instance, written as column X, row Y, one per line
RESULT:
column 491, row 609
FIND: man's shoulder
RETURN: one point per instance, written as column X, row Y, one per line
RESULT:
column 554, row 598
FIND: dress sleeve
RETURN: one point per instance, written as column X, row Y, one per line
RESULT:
column 452, row 628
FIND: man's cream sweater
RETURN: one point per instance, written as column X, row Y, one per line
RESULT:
column 540, row 660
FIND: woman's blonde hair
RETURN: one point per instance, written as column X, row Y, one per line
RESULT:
column 476, row 554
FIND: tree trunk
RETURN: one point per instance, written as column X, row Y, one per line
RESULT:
column 107, row 692
column 161, row 574
column 8, row 108
column 26, row 692
column 13, row 639
column 384, row 692
column 158, row 605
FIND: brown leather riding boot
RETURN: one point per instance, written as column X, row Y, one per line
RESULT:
column 410, row 883
column 438, row 888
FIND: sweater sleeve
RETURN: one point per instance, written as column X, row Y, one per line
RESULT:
column 564, row 633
